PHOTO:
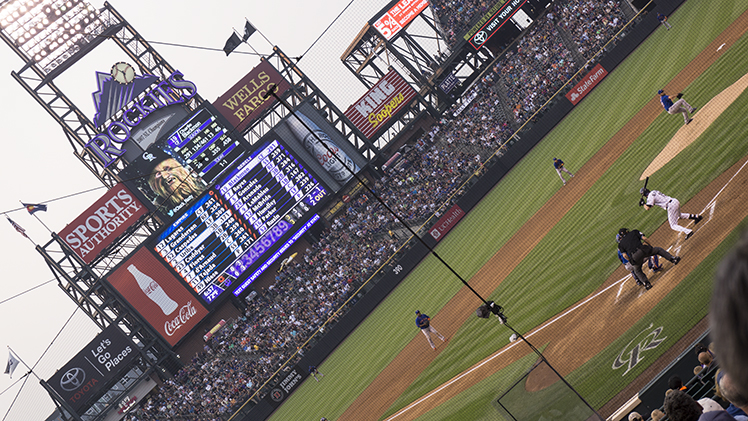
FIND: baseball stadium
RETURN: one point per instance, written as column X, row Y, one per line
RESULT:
column 546, row 253
column 484, row 219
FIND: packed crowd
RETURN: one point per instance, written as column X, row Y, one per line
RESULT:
column 591, row 23
column 535, row 67
column 456, row 15
column 306, row 294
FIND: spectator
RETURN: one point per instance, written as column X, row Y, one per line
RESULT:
column 729, row 315
column 738, row 407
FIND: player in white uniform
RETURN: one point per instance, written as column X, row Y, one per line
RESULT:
column 672, row 206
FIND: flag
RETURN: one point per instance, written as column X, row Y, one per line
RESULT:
column 17, row 227
column 231, row 43
column 34, row 207
column 12, row 364
column 248, row 31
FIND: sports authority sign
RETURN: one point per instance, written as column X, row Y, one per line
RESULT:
column 157, row 295
column 584, row 87
column 244, row 102
column 373, row 112
column 495, row 22
column 83, row 378
column 97, row 227
column 399, row 16
column 447, row 222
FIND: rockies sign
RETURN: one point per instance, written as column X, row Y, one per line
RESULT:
column 85, row 377
column 495, row 22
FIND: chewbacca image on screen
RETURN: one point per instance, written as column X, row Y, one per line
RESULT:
column 173, row 183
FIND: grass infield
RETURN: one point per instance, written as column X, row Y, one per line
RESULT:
column 577, row 254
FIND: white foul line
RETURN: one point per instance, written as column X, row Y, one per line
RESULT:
column 445, row 385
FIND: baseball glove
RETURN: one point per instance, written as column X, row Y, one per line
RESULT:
column 679, row 96
column 642, row 201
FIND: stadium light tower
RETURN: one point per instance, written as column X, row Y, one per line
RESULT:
column 50, row 32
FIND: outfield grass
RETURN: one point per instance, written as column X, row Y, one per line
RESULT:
column 577, row 254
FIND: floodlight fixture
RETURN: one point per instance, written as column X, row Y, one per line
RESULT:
column 50, row 31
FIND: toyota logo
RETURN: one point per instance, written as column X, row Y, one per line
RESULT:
column 480, row 37
column 72, row 379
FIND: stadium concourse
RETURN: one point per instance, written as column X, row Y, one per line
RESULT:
column 242, row 356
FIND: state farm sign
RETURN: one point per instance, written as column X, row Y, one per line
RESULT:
column 373, row 112
column 584, row 87
column 97, row 227
column 245, row 101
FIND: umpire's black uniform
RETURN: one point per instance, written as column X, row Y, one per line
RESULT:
column 638, row 252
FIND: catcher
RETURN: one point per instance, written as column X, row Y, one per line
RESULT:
column 680, row 106
column 636, row 248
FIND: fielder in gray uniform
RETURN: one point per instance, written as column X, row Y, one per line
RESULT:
column 672, row 206
column 680, row 106
column 424, row 323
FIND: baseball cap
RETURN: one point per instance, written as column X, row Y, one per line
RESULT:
column 418, row 312
column 660, row 92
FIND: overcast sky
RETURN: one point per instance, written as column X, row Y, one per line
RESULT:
column 38, row 164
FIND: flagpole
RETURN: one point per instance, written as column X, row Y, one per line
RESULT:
column 250, row 46
column 37, row 218
column 22, row 362
column 263, row 35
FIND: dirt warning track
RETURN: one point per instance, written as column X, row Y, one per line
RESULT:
column 408, row 365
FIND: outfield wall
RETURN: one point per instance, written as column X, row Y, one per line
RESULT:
column 495, row 171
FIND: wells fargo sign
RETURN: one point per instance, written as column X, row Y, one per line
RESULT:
column 246, row 100
column 373, row 112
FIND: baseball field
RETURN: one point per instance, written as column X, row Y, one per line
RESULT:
column 546, row 253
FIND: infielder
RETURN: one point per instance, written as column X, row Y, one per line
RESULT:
column 636, row 248
column 680, row 106
column 559, row 166
column 672, row 206
column 424, row 323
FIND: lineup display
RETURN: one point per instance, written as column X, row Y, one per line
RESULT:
column 203, row 143
column 178, row 168
column 226, row 231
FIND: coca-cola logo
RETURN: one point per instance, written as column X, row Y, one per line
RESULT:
column 185, row 314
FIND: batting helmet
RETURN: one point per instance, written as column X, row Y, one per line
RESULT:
column 644, row 191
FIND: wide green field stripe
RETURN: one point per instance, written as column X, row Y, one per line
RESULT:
column 596, row 380
column 516, row 198
column 579, row 253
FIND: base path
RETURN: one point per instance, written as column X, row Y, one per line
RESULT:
column 412, row 360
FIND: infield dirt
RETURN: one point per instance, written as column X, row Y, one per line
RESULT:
column 563, row 347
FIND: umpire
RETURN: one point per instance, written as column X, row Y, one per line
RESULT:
column 636, row 247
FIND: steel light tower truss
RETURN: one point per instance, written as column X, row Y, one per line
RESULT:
column 50, row 36
column 421, row 54
column 37, row 76
column 304, row 90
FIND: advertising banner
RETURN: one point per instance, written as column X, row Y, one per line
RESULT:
column 245, row 101
column 447, row 222
column 82, row 380
column 97, row 227
column 495, row 22
column 157, row 295
column 399, row 16
column 584, row 87
column 373, row 112
column 289, row 383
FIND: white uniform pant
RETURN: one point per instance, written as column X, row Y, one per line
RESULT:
column 674, row 214
column 681, row 106
column 428, row 332
column 558, row 170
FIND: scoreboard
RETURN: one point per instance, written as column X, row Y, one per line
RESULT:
column 240, row 220
column 203, row 144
